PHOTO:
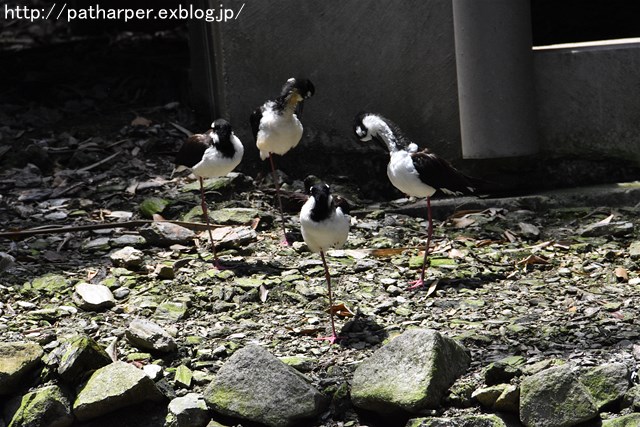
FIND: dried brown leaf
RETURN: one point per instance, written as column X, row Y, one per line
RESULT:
column 532, row 259
column 141, row 121
column 342, row 310
column 432, row 287
column 463, row 222
column 621, row 274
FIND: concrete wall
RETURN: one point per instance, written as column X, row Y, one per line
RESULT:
column 398, row 58
column 589, row 100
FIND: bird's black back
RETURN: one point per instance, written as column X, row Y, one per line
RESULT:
column 193, row 149
column 440, row 174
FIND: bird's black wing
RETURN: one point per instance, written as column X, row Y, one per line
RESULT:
column 255, row 118
column 439, row 174
column 342, row 203
column 193, row 149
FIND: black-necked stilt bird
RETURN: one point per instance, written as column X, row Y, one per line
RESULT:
column 277, row 127
column 324, row 224
column 211, row 154
column 415, row 172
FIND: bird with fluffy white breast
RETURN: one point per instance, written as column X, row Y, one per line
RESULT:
column 211, row 154
column 277, row 128
column 324, row 224
column 415, row 172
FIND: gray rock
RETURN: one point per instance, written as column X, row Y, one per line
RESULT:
column 188, row 411
column 128, row 240
column 613, row 228
column 99, row 244
column 112, row 387
column 487, row 396
column 166, row 234
column 17, row 359
column 93, row 297
column 7, row 262
column 44, row 407
column 572, row 403
column 607, row 383
column 528, row 231
column 127, row 257
column 411, row 373
column 631, row 398
column 81, row 357
column 254, row 385
column 49, row 283
column 634, row 250
column 234, row 237
column 464, row 421
column 509, row 400
column 630, row 420
column 171, row 311
column 153, row 371
column 503, row 370
column 238, row 216
column 146, row 335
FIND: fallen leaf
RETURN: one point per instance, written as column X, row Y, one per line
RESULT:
column 432, row 287
column 264, row 292
column 141, row 121
column 464, row 213
column 510, row 236
column 342, row 310
column 463, row 222
column 532, row 259
column 621, row 274
column 387, row 252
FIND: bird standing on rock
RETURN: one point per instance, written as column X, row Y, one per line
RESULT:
column 324, row 224
column 277, row 127
column 415, row 172
column 211, row 154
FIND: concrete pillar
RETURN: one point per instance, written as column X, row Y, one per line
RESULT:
column 494, row 63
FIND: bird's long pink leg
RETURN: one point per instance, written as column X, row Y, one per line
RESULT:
column 334, row 337
column 420, row 282
column 284, row 242
column 205, row 211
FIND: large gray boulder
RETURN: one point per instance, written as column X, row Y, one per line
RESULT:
column 82, row 356
column 112, row 387
column 254, row 385
column 411, row 373
column 44, row 407
column 555, row 397
column 607, row 383
column 17, row 359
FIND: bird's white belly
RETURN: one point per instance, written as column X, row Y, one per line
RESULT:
column 404, row 176
column 323, row 235
column 278, row 133
column 213, row 164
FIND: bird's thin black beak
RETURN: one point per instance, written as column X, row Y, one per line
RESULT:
column 299, row 108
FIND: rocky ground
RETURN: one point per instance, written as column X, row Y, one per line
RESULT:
column 560, row 282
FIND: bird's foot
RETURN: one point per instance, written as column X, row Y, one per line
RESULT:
column 333, row 339
column 285, row 242
column 416, row 284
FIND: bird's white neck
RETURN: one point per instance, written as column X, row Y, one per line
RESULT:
column 381, row 129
